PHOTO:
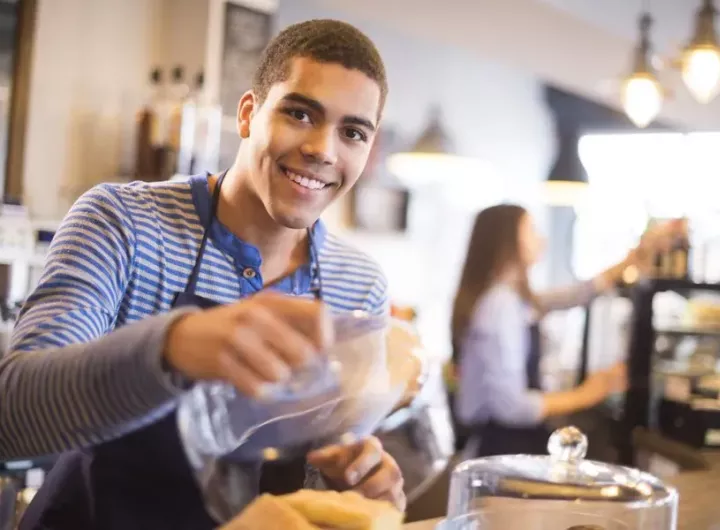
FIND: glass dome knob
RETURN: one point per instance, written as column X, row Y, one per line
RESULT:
column 567, row 444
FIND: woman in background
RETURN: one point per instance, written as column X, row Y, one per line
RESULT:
column 496, row 339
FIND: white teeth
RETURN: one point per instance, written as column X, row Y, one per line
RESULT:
column 305, row 182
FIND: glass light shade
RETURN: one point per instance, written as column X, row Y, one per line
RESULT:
column 564, row 193
column 642, row 98
column 433, row 159
column 567, row 181
column 701, row 72
column 421, row 169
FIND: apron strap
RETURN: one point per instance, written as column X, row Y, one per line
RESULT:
column 192, row 281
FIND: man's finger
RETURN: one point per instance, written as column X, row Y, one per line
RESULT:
column 369, row 458
column 396, row 496
column 309, row 317
column 251, row 351
column 324, row 456
column 294, row 348
column 381, row 483
column 237, row 374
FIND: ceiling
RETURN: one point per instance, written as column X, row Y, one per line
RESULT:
column 673, row 20
column 580, row 45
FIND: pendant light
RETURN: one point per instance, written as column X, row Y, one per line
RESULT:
column 642, row 94
column 432, row 158
column 568, row 181
column 700, row 61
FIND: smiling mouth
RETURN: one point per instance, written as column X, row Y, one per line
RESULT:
column 304, row 181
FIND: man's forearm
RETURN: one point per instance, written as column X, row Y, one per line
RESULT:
column 56, row 399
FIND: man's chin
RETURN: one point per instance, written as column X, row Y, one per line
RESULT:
column 295, row 220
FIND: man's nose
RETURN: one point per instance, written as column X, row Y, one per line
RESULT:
column 321, row 146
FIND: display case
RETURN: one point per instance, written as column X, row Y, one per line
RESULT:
column 676, row 401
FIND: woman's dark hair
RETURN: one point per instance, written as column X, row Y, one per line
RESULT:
column 494, row 244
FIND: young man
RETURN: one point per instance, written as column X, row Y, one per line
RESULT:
column 125, row 315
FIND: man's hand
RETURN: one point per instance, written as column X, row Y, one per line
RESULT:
column 250, row 343
column 364, row 467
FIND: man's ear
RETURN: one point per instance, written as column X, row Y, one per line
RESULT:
column 246, row 106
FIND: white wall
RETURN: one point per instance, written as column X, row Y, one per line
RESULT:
column 91, row 61
column 185, row 25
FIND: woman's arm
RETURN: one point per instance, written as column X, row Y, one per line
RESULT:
column 582, row 293
column 569, row 296
column 590, row 393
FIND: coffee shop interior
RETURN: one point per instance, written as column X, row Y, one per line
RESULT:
column 598, row 118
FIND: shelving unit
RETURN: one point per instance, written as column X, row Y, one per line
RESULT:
column 631, row 415
column 635, row 413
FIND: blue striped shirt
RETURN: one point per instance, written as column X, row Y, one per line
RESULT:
column 85, row 363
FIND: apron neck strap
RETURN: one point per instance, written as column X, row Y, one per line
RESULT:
column 192, row 281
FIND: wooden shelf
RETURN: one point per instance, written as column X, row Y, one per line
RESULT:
column 687, row 332
column 686, row 457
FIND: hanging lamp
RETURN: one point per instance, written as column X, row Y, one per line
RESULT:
column 642, row 94
column 700, row 62
column 567, row 181
column 433, row 158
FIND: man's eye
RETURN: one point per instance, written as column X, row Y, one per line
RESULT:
column 299, row 115
column 355, row 135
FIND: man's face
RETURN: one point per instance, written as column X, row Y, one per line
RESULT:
column 310, row 139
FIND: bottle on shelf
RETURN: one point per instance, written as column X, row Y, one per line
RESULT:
column 207, row 130
column 178, row 95
column 665, row 250
column 679, row 252
column 190, row 128
column 150, row 135
column 179, row 90
column 681, row 255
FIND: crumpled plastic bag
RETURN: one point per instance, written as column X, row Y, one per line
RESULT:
column 343, row 399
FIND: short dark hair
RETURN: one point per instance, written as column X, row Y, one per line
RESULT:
column 325, row 41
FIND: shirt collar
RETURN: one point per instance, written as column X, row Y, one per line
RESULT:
column 247, row 255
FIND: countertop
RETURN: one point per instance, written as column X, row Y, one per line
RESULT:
column 699, row 499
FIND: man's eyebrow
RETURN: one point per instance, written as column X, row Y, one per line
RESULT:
column 320, row 109
column 362, row 122
column 310, row 102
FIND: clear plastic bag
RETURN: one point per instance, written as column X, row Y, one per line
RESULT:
column 342, row 398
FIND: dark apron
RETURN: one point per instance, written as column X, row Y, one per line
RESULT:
column 142, row 480
column 496, row 439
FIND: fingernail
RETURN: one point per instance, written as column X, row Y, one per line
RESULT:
column 352, row 477
column 284, row 374
column 312, row 360
column 264, row 391
column 348, row 438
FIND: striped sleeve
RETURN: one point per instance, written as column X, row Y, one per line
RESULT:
column 67, row 381
column 351, row 279
column 378, row 299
